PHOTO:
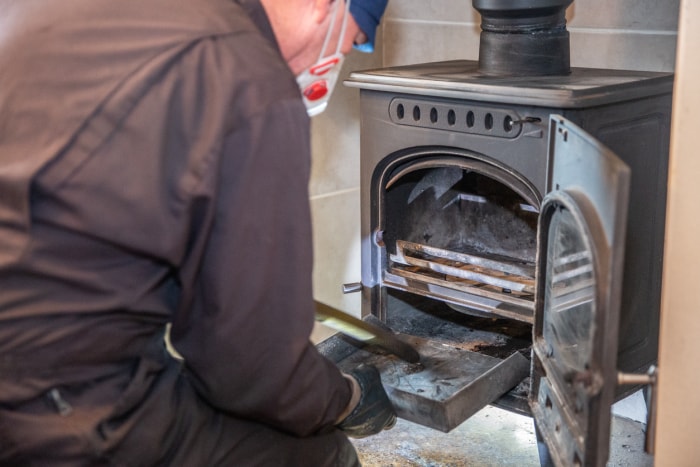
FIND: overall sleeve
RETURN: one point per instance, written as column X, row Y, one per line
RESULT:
column 247, row 308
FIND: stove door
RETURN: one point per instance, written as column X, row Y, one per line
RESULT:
column 579, row 279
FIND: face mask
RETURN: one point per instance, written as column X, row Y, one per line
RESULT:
column 317, row 82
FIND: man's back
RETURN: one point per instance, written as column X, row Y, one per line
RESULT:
column 97, row 168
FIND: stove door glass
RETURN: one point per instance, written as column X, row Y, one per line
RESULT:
column 581, row 243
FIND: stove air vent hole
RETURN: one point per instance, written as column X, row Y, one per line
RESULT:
column 488, row 121
column 433, row 115
column 451, row 117
column 400, row 112
column 470, row 119
column 416, row 113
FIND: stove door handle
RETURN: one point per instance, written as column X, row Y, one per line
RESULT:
column 526, row 120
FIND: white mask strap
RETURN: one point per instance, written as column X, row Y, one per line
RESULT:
column 331, row 27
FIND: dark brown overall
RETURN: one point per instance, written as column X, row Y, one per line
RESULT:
column 154, row 162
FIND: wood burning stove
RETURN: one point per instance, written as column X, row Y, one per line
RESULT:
column 517, row 203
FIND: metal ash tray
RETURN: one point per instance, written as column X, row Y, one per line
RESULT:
column 467, row 362
column 448, row 386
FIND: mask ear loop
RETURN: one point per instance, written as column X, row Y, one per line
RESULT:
column 329, row 32
column 343, row 27
column 332, row 27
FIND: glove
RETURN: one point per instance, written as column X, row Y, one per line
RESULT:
column 373, row 412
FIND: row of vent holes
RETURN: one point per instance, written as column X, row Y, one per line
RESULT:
column 452, row 118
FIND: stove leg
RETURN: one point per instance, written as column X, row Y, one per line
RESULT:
column 542, row 449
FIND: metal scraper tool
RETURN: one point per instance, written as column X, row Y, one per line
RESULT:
column 365, row 332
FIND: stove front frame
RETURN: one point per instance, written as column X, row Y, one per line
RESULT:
column 627, row 111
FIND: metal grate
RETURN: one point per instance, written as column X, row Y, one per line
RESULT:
column 496, row 278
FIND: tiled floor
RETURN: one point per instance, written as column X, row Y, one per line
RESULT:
column 491, row 438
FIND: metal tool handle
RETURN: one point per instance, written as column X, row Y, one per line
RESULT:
column 365, row 332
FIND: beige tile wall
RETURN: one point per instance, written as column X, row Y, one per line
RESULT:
column 335, row 192
column 631, row 34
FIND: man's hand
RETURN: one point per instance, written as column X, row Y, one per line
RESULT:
column 374, row 412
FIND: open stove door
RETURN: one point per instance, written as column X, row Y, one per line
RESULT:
column 579, row 279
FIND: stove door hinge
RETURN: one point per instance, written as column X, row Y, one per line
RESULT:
column 647, row 379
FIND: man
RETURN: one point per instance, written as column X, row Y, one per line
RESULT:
column 154, row 160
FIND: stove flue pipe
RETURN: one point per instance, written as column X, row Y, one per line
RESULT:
column 523, row 37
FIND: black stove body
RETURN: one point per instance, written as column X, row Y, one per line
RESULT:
column 463, row 189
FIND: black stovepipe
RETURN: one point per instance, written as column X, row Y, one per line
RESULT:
column 523, row 37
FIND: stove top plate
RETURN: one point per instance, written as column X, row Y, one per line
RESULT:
column 584, row 87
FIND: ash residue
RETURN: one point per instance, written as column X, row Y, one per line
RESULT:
column 504, row 350
column 431, row 319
